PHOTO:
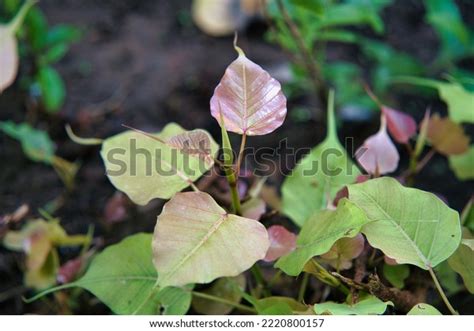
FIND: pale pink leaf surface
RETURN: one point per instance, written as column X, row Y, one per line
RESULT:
column 342, row 253
column 8, row 57
column 196, row 142
column 196, row 241
column 254, row 208
column 282, row 242
column 400, row 125
column 69, row 270
column 378, row 155
column 251, row 101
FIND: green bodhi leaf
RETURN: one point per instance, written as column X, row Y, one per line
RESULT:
column 409, row 225
column 462, row 261
column 423, row 309
column 319, row 234
column 228, row 288
column 196, row 241
column 147, row 166
column 317, row 178
column 369, row 305
column 123, row 277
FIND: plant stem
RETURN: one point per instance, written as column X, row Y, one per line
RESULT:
column 224, row 301
column 310, row 64
column 232, row 180
column 441, row 292
column 326, row 277
column 257, row 274
column 241, row 153
column 304, row 285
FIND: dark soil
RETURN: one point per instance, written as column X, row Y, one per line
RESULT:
column 147, row 61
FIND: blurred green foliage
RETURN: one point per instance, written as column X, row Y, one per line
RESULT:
column 352, row 22
column 43, row 45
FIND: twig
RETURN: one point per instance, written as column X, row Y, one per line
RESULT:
column 310, row 64
column 403, row 300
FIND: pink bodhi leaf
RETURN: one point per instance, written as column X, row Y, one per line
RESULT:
column 250, row 100
column 282, row 242
column 378, row 155
column 8, row 57
column 342, row 253
column 400, row 125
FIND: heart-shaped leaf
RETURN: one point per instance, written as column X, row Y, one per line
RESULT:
column 378, row 155
column 250, row 100
column 462, row 261
column 320, row 232
column 317, row 178
column 282, row 242
column 124, row 278
column 369, row 305
column 400, row 125
column 9, row 61
column 409, row 225
column 228, row 288
column 146, row 168
column 447, row 137
column 196, row 241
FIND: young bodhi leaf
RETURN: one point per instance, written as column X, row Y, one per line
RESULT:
column 378, row 155
column 400, row 125
column 342, row 253
column 409, row 225
column 319, row 234
column 282, row 242
column 123, row 277
column 145, row 168
column 369, row 305
column 250, row 100
column 196, row 241
column 318, row 177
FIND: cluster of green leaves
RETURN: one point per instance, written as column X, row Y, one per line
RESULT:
column 44, row 46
